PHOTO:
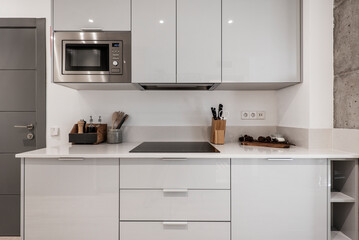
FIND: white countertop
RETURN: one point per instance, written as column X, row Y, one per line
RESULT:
column 229, row 150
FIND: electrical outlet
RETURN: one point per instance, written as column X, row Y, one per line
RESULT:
column 261, row 115
column 244, row 115
column 252, row 115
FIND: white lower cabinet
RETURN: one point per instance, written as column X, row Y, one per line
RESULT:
column 175, row 230
column 162, row 173
column 279, row 199
column 175, row 204
column 71, row 199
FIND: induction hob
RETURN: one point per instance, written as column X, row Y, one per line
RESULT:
column 175, row 147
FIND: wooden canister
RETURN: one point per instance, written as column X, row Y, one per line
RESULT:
column 218, row 131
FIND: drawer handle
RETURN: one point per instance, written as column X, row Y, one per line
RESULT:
column 280, row 159
column 174, row 159
column 91, row 29
column 175, row 223
column 71, row 159
column 175, row 190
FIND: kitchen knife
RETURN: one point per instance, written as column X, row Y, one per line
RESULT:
column 220, row 111
column 122, row 121
column 214, row 113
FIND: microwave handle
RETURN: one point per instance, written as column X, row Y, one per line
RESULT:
column 91, row 29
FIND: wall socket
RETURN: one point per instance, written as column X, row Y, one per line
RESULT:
column 253, row 115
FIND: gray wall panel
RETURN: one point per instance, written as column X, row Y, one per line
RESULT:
column 18, row 48
column 10, row 215
column 9, row 174
column 13, row 140
column 20, row 94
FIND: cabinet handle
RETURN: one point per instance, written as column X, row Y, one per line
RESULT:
column 71, row 159
column 91, row 29
column 174, row 159
column 280, row 159
column 175, row 190
column 175, row 223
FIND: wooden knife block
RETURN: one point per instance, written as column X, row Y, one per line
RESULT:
column 218, row 131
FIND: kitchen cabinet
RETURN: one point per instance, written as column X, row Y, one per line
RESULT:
column 279, row 199
column 175, row 205
column 199, row 41
column 71, row 199
column 160, row 173
column 175, row 230
column 107, row 15
column 261, row 41
column 176, row 41
column 154, row 41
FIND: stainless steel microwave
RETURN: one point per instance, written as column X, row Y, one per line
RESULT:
column 92, row 57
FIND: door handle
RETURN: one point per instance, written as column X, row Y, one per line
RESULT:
column 29, row 127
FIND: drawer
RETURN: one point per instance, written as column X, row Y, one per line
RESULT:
column 175, row 173
column 175, row 230
column 175, row 204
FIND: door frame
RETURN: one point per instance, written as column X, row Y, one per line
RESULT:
column 40, row 25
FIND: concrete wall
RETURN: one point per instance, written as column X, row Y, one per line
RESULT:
column 346, row 64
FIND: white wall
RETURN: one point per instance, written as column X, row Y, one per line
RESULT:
column 310, row 105
column 66, row 106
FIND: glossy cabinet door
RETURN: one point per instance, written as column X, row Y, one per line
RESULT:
column 71, row 199
column 279, row 199
column 261, row 41
column 154, row 41
column 107, row 15
column 175, row 205
column 198, row 41
column 171, row 173
column 175, row 230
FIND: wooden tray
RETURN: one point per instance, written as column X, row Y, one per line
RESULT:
column 88, row 138
column 262, row 144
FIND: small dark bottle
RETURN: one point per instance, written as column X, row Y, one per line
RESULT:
column 91, row 127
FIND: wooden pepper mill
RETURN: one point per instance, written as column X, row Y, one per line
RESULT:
column 218, row 131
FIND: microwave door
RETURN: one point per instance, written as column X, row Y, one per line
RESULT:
column 85, row 58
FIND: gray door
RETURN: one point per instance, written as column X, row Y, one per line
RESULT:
column 22, row 108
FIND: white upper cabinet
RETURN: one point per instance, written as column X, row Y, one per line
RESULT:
column 154, row 41
column 75, row 15
column 261, row 41
column 199, row 41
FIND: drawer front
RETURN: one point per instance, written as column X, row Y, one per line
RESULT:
column 175, row 204
column 175, row 230
column 175, row 173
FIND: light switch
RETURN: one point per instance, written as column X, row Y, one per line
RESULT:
column 54, row 131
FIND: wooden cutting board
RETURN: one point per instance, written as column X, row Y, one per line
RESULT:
column 262, row 144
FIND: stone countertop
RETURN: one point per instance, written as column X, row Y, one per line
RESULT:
column 229, row 150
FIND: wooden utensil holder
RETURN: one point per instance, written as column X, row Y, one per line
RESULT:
column 218, row 131
column 88, row 138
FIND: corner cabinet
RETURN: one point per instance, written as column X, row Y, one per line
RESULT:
column 261, row 41
column 279, row 199
column 107, row 15
column 70, row 199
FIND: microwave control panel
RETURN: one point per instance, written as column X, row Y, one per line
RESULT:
column 116, row 57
